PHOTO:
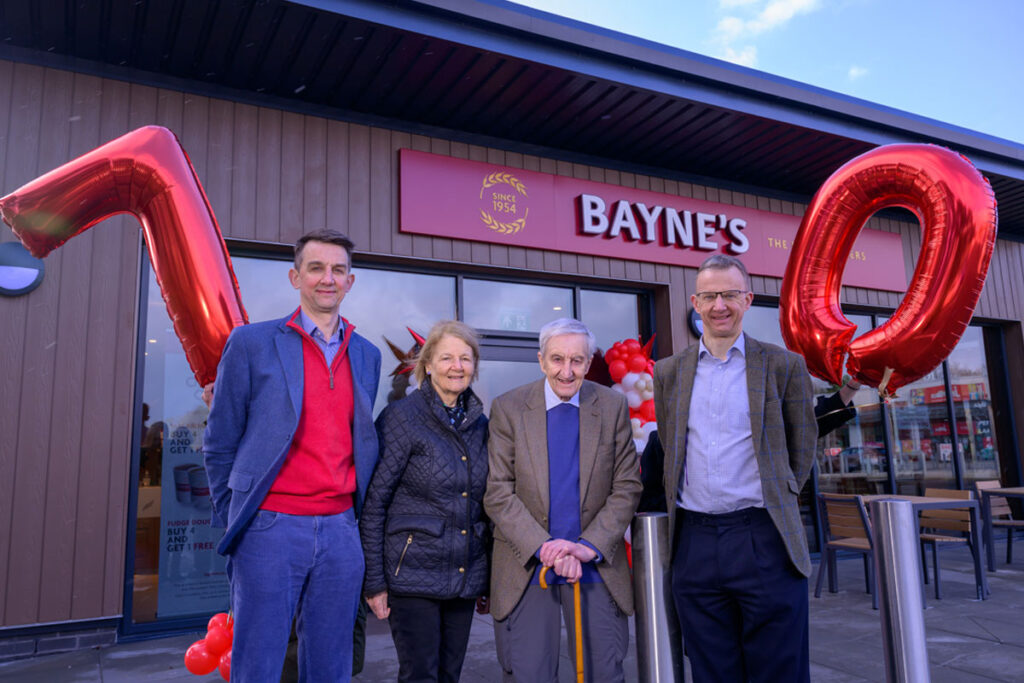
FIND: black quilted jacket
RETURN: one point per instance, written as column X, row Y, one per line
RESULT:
column 423, row 526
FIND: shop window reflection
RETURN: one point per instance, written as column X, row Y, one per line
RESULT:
column 177, row 571
column 611, row 316
column 513, row 307
column 972, row 404
column 923, row 451
column 852, row 458
column 499, row 376
column 383, row 303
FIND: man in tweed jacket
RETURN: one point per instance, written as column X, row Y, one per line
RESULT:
column 736, row 419
column 563, row 485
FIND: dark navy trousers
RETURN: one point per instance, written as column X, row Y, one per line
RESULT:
column 742, row 604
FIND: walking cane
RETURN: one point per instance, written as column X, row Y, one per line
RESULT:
column 578, row 619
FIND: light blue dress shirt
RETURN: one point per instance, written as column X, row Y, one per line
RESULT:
column 328, row 346
column 720, row 473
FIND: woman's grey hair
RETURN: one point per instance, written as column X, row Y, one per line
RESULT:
column 562, row 326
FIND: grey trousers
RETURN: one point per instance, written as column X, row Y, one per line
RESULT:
column 528, row 639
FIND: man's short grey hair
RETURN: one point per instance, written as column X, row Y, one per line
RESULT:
column 725, row 262
column 562, row 326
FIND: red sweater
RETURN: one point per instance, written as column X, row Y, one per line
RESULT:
column 319, row 476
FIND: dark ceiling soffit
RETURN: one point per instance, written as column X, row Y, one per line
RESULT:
column 156, row 80
column 565, row 44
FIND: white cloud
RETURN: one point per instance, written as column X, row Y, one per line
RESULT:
column 732, row 29
column 746, row 56
column 729, row 29
column 856, row 72
column 778, row 12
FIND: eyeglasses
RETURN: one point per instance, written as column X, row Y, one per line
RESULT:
column 729, row 296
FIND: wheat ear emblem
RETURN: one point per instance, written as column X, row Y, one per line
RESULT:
column 499, row 178
column 507, row 179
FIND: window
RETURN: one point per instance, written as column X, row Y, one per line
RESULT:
column 494, row 305
column 927, row 450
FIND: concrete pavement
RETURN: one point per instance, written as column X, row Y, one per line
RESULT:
column 968, row 640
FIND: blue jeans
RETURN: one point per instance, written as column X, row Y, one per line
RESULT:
column 287, row 562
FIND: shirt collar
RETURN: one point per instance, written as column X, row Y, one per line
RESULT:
column 551, row 398
column 313, row 331
column 739, row 345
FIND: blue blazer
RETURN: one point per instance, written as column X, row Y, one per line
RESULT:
column 255, row 413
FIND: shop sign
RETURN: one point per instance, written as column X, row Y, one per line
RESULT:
column 470, row 200
column 961, row 392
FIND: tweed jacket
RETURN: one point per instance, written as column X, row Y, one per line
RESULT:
column 255, row 413
column 423, row 527
column 518, row 493
column 781, row 423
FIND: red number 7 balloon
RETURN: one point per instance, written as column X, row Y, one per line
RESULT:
column 957, row 211
column 145, row 173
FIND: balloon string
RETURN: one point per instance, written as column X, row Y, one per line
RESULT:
column 852, row 407
column 882, row 393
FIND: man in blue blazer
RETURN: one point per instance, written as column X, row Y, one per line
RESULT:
column 290, row 447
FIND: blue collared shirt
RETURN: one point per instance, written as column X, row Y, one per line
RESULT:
column 721, row 472
column 328, row 346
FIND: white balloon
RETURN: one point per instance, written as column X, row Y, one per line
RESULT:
column 629, row 380
column 633, row 399
column 618, row 388
column 648, row 427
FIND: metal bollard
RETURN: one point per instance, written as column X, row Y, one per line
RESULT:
column 898, row 572
column 659, row 653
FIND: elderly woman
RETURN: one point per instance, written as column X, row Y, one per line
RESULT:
column 425, row 536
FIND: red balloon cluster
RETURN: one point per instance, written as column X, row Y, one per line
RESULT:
column 628, row 356
column 213, row 651
column 631, row 369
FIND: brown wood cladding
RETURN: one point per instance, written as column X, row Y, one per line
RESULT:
column 67, row 366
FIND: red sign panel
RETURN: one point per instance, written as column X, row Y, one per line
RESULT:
column 470, row 200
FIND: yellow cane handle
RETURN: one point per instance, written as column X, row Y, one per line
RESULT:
column 541, row 579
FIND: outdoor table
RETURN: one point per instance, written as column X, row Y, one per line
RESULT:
column 930, row 503
column 986, row 514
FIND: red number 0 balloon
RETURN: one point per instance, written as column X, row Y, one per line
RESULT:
column 957, row 211
column 145, row 173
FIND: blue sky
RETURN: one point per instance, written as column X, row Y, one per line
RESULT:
column 956, row 61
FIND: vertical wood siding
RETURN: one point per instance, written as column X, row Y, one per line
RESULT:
column 67, row 364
